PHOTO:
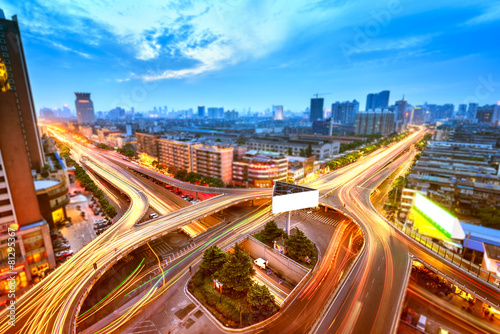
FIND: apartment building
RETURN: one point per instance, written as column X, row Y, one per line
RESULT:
column 321, row 148
column 176, row 153
column 213, row 161
column 148, row 144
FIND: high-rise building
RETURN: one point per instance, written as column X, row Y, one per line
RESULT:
column 148, row 144
column 215, row 112
column 370, row 122
column 278, row 113
column 21, row 157
column 418, row 115
column 377, row 100
column 201, row 111
column 316, row 109
column 487, row 113
column 344, row 112
column 462, row 110
column 84, row 108
column 213, row 161
column 471, row 112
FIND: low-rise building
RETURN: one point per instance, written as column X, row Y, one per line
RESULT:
column 260, row 168
column 321, row 148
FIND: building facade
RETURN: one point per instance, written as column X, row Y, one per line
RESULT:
column 213, row 161
column 316, row 110
column 370, row 122
column 84, row 108
column 377, row 100
column 321, row 148
column 21, row 158
column 344, row 112
column 278, row 113
column 176, row 153
column 148, row 144
column 260, row 169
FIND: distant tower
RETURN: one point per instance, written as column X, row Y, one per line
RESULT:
column 201, row 111
column 316, row 109
column 278, row 113
column 84, row 108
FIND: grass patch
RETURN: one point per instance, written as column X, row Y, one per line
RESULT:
column 224, row 307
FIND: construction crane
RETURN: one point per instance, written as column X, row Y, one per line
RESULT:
column 318, row 94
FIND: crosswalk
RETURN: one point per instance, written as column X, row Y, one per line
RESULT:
column 162, row 249
column 145, row 327
column 323, row 218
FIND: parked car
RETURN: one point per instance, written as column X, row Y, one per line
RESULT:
column 99, row 225
column 59, row 241
column 99, row 231
column 56, row 234
column 63, row 254
column 99, row 221
column 62, row 248
column 153, row 215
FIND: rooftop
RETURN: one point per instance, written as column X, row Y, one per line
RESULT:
column 44, row 184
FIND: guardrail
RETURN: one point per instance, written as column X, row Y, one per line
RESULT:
column 454, row 258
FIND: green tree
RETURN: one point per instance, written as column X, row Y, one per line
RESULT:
column 490, row 217
column 241, row 142
column 271, row 231
column 308, row 152
column 111, row 211
column 193, row 177
column 236, row 274
column 213, row 260
column 299, row 246
column 290, row 151
column 261, row 300
column 154, row 163
column 180, row 174
column 129, row 153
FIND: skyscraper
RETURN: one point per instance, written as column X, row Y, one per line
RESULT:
column 487, row 113
column 84, row 108
column 462, row 110
column 471, row 112
column 278, row 113
column 377, row 100
column 344, row 112
column 21, row 157
column 201, row 111
column 316, row 109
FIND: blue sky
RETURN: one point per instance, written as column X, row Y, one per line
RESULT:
column 241, row 54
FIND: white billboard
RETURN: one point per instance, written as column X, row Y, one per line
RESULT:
column 295, row 201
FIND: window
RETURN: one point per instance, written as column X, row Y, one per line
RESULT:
column 2, row 34
column 5, row 55
column 2, row 41
column 3, row 48
column 6, row 61
column 11, row 81
column 8, row 68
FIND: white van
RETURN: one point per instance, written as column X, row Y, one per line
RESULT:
column 422, row 321
column 261, row 263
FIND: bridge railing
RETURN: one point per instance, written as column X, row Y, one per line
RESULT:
column 474, row 269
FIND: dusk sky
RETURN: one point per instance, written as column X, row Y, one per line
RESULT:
column 240, row 54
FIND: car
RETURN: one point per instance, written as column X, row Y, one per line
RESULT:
column 422, row 322
column 72, row 195
column 99, row 221
column 91, row 206
column 99, row 225
column 62, row 250
column 96, row 211
column 56, row 234
column 64, row 254
column 153, row 215
column 61, row 247
column 68, row 224
column 60, row 241
column 99, row 231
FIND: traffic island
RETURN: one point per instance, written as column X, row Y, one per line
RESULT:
column 225, row 286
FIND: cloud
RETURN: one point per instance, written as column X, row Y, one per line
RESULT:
column 62, row 47
column 490, row 14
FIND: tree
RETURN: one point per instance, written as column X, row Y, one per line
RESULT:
column 261, row 300
column 193, row 177
column 271, row 231
column 308, row 151
column 241, row 142
column 236, row 274
column 290, row 151
column 299, row 246
column 213, row 260
column 154, row 163
column 180, row 174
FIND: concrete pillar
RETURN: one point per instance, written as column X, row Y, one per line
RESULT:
column 326, row 209
column 287, row 228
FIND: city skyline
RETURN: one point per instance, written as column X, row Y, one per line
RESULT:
column 186, row 55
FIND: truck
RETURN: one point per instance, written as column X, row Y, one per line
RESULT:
column 261, row 263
